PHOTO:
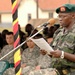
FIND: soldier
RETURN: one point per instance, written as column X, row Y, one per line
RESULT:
column 6, row 49
column 29, row 57
column 32, row 59
column 64, row 42
column 63, row 56
column 9, row 47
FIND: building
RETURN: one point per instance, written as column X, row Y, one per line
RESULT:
column 30, row 9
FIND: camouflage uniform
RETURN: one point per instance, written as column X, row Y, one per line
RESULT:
column 29, row 58
column 5, row 50
column 44, row 61
column 64, row 41
column 48, row 71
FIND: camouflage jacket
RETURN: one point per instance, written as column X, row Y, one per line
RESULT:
column 44, row 61
column 29, row 58
column 5, row 50
column 64, row 41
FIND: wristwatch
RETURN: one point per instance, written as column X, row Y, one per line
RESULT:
column 62, row 55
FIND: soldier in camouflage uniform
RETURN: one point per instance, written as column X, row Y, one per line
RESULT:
column 63, row 56
column 33, row 59
column 64, row 41
column 29, row 57
column 7, row 48
column 9, row 58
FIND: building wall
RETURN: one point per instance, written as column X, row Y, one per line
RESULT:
column 26, row 7
column 43, row 14
column 55, row 15
column 29, row 7
column 6, row 18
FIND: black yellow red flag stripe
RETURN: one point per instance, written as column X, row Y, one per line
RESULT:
column 17, row 55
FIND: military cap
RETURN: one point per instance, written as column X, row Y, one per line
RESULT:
column 66, row 8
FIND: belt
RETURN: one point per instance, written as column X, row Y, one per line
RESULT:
column 66, row 71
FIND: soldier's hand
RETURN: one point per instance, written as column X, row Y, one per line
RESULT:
column 23, row 65
column 43, row 52
column 56, row 53
column 37, row 67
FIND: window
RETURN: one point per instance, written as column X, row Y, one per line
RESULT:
column 50, row 15
column 29, row 17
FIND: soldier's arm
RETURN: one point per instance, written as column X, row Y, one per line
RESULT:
column 69, row 56
column 58, row 53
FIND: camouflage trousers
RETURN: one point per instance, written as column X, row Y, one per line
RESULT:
column 25, row 71
column 48, row 71
column 10, row 71
column 31, row 71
